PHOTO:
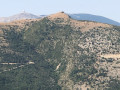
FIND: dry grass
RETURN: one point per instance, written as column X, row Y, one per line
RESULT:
column 20, row 24
column 17, row 22
column 78, row 25
column 85, row 25
column 1, row 32
column 114, row 56
column 59, row 15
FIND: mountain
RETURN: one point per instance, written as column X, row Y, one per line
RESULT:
column 87, row 17
column 20, row 16
column 95, row 18
column 41, row 16
column 59, row 53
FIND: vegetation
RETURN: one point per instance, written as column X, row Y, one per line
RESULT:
column 64, row 57
column 40, row 76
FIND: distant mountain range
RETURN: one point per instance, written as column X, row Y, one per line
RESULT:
column 96, row 18
column 88, row 17
column 23, row 15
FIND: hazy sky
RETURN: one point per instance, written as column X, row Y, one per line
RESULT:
column 107, row 8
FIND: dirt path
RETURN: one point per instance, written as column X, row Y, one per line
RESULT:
column 114, row 56
column 21, row 65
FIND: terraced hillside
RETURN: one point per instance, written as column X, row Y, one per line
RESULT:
column 59, row 53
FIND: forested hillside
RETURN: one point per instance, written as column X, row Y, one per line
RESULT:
column 59, row 53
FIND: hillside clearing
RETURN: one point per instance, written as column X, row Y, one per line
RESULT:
column 114, row 56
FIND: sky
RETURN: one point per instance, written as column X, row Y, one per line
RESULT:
column 106, row 8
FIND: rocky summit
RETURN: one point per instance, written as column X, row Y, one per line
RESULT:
column 59, row 53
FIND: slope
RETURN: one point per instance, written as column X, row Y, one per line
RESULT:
column 82, row 42
column 67, row 55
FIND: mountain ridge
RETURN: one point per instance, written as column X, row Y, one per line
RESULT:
column 88, row 17
column 68, row 54
column 83, row 25
column 19, row 16
column 96, row 18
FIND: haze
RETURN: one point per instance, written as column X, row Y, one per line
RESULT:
column 106, row 8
